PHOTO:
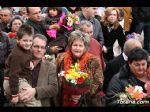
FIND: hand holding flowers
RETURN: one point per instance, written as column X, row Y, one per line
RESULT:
column 69, row 22
column 75, row 79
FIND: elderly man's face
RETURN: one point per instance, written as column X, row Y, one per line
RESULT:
column 38, row 48
column 88, row 30
column 5, row 16
column 138, row 67
column 35, row 14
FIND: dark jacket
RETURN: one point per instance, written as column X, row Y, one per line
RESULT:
column 141, row 14
column 38, row 27
column 112, row 68
column 118, row 84
column 109, row 39
column 18, row 66
column 5, row 49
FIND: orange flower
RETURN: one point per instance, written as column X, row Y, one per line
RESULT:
column 135, row 92
column 137, row 95
column 130, row 89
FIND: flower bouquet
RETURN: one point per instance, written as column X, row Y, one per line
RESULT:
column 75, row 81
column 69, row 22
column 48, row 57
column 132, row 96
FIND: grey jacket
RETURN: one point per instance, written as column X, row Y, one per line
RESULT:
column 47, row 85
column 98, row 34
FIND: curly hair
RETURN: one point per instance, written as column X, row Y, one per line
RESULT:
column 77, row 34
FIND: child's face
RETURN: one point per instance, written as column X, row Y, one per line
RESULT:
column 25, row 42
column 53, row 12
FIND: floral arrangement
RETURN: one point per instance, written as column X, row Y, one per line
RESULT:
column 74, row 77
column 75, row 81
column 48, row 57
column 69, row 22
column 133, row 95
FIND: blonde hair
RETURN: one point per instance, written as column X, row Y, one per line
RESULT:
column 107, row 13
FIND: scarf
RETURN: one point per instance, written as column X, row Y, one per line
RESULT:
column 68, row 61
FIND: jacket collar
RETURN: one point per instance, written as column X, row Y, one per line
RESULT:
column 125, row 71
column 84, row 18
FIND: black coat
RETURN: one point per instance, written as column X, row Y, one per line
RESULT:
column 5, row 48
column 112, row 68
column 109, row 39
column 118, row 84
column 38, row 28
column 141, row 14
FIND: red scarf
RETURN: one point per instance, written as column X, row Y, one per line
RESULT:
column 68, row 60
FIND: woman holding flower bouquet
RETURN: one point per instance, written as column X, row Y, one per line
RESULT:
column 130, row 85
column 79, row 72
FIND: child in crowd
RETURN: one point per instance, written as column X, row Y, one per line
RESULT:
column 55, row 30
column 18, row 68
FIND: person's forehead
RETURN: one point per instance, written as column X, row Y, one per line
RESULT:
column 34, row 9
column 5, row 11
column 39, row 41
column 139, row 61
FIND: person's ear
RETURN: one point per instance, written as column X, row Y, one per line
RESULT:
column 129, row 63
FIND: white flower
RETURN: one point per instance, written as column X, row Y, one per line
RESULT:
column 73, row 81
column 61, row 73
column 123, row 96
column 48, row 57
column 70, row 21
column 138, row 88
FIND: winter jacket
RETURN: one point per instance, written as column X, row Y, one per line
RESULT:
column 118, row 84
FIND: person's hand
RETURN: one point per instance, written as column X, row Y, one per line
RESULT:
column 15, row 100
column 27, row 95
column 104, row 49
column 76, row 98
column 55, row 49
column 54, row 26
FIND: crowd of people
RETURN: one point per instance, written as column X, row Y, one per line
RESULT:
column 74, row 56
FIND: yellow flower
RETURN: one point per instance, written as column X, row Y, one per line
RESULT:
column 69, row 77
column 77, row 66
column 84, row 75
